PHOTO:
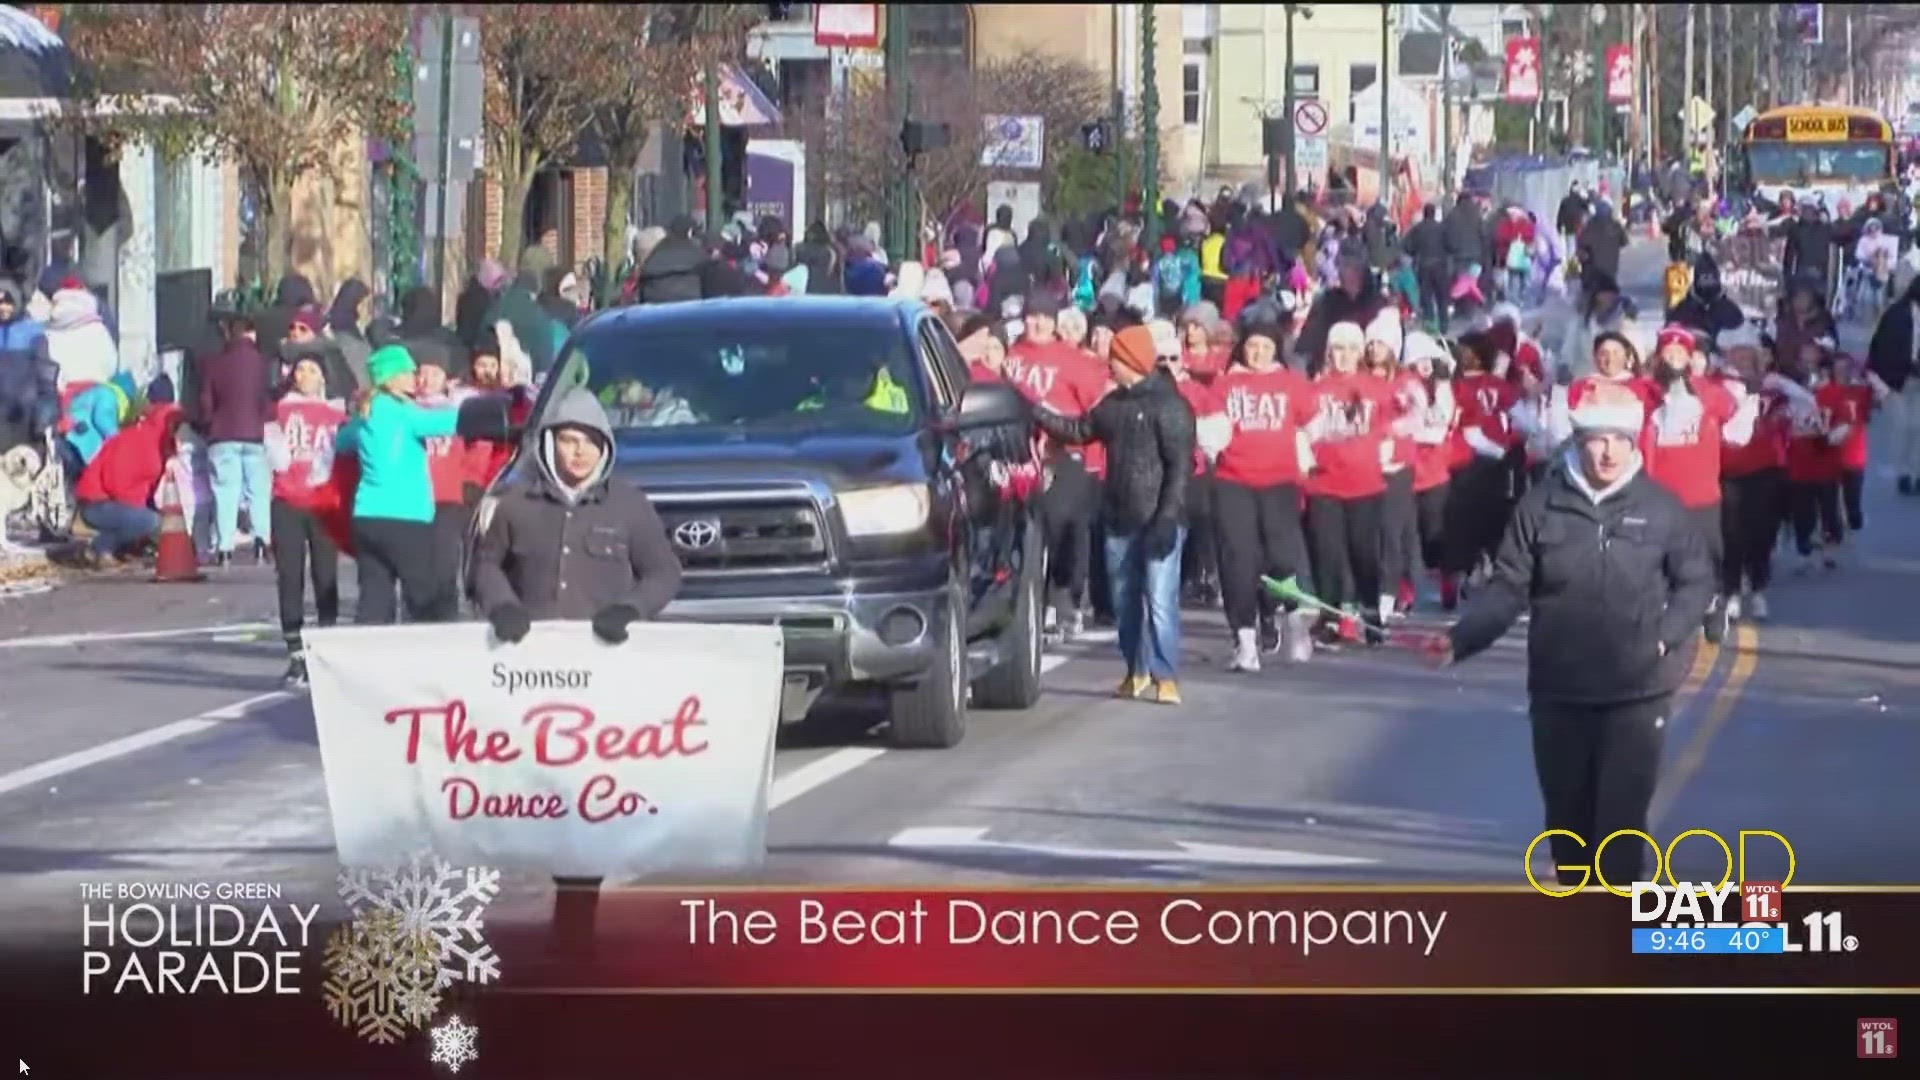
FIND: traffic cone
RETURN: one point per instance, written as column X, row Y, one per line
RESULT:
column 174, row 560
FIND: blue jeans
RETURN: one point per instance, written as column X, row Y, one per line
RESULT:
column 117, row 526
column 1146, row 603
column 240, row 467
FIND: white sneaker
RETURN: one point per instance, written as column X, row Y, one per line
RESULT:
column 1389, row 610
column 1246, row 650
column 1757, row 607
column 1050, row 623
column 1733, row 608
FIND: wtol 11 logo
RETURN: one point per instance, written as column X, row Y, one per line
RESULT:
column 1694, row 918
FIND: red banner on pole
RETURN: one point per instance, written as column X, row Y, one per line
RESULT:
column 1523, row 70
column 1619, row 74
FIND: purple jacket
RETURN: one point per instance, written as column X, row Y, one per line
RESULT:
column 236, row 394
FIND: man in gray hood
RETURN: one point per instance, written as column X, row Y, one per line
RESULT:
column 570, row 544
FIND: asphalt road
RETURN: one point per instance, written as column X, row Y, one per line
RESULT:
column 146, row 738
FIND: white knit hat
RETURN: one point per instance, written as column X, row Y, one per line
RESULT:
column 1348, row 334
column 1421, row 345
column 1610, row 409
column 1387, row 329
column 1740, row 337
column 1166, row 338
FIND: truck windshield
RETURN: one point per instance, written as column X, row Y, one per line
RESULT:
column 1813, row 163
column 710, row 374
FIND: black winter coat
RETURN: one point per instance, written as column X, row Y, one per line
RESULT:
column 1616, row 592
column 1890, row 354
column 1466, row 235
column 1709, row 317
column 1148, row 431
column 1426, row 245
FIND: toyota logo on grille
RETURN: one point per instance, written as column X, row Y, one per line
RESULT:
column 694, row 535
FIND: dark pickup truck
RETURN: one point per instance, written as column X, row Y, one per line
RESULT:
column 824, row 464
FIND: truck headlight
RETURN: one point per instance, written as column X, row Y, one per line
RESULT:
column 882, row 511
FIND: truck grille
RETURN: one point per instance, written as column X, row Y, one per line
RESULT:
column 742, row 537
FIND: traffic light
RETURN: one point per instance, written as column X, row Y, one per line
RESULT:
column 919, row 136
column 1095, row 136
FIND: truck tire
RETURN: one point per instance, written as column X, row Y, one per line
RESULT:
column 932, row 713
column 1015, row 682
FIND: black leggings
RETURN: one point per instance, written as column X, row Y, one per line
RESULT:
column 1749, row 525
column 390, row 550
column 297, row 538
column 1850, row 483
column 1067, row 508
column 1430, row 512
column 1476, row 514
column 1345, row 539
column 1399, row 531
column 1811, row 505
column 450, row 522
column 1259, row 534
column 1200, row 559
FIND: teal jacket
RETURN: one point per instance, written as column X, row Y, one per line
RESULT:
column 391, row 444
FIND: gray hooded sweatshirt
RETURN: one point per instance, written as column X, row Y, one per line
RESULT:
column 565, row 552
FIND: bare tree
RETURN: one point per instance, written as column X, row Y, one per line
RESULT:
column 859, row 145
column 272, row 87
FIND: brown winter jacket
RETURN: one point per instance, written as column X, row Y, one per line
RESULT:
column 563, row 557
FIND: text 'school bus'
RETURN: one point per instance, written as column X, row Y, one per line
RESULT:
column 1830, row 153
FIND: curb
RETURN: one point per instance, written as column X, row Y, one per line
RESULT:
column 27, row 576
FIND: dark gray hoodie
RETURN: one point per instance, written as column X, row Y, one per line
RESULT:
column 565, row 553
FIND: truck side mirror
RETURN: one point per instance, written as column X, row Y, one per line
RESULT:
column 992, row 404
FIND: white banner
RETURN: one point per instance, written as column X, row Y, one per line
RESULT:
column 560, row 754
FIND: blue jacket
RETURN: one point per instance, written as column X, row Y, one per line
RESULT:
column 29, row 382
column 96, row 413
column 391, row 443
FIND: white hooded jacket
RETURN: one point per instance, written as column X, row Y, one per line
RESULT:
column 78, row 340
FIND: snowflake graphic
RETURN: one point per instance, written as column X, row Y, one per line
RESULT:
column 455, row 1043
column 434, row 896
column 380, row 976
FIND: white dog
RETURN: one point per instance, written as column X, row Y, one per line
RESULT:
column 33, row 482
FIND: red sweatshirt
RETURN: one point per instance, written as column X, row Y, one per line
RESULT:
column 1768, row 447
column 1810, row 458
column 1353, row 415
column 1685, row 442
column 304, row 428
column 1438, row 414
column 1204, row 400
column 1063, row 379
column 129, row 465
column 1409, row 393
column 981, row 373
column 453, row 463
column 1851, row 405
column 1268, row 408
column 1484, row 401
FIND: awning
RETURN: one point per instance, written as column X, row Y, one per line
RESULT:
column 34, row 62
column 742, row 104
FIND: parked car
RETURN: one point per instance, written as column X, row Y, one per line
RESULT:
column 823, row 463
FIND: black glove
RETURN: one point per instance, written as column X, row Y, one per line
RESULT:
column 610, row 622
column 510, row 623
column 1162, row 536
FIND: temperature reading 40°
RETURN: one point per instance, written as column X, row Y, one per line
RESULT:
column 1751, row 939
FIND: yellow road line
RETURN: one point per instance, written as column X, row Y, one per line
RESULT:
column 1746, row 657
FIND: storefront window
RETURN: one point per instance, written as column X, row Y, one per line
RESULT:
column 173, row 214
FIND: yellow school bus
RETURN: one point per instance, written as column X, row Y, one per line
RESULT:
column 1831, row 152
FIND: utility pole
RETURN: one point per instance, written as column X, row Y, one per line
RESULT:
column 1655, row 118
column 1577, row 116
column 1706, row 60
column 1636, row 31
column 899, row 225
column 1446, row 96
column 716, row 207
column 1686, row 97
column 1385, row 82
column 1286, row 98
column 1116, row 145
column 441, row 176
column 1771, row 16
column 1150, row 133
column 1851, row 100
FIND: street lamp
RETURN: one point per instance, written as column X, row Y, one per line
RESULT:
column 1598, row 140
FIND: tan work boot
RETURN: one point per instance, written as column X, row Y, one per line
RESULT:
column 1166, row 691
column 1133, row 687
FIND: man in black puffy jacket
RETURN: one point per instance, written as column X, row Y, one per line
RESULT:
column 1707, row 307
column 1616, row 578
column 1148, row 430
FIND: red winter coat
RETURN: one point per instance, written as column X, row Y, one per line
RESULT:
column 129, row 466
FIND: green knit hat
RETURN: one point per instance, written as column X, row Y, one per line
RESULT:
column 388, row 361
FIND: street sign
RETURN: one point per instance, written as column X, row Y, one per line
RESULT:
column 1309, row 118
column 846, row 26
column 1013, row 142
column 1310, row 154
column 1744, row 117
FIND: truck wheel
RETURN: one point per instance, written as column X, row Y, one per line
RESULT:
column 1015, row 682
column 932, row 714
